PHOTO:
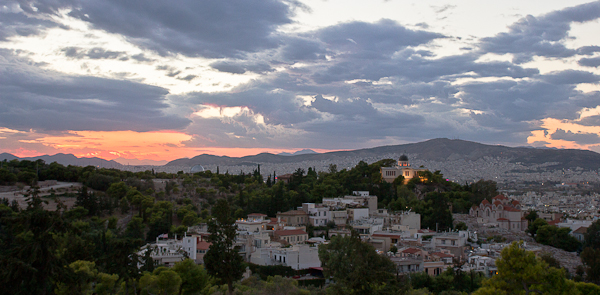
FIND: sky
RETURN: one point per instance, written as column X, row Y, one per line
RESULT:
column 161, row 80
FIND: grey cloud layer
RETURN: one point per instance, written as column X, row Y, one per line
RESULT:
column 45, row 100
column 541, row 36
column 385, row 81
column 193, row 28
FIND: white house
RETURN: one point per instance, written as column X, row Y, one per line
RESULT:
column 302, row 256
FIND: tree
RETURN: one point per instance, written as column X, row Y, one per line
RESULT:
column 461, row 226
column 531, row 216
column 161, row 281
column 590, row 258
column 557, row 237
column 520, row 272
column 533, row 226
column 592, row 235
column 356, row 267
column 194, row 278
column 30, row 258
column 222, row 259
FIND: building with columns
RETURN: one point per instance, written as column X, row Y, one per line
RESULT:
column 402, row 168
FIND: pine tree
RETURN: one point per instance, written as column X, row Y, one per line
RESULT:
column 222, row 259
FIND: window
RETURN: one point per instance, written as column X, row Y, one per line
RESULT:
column 406, row 173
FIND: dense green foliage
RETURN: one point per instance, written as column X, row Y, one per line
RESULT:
column 552, row 235
column 93, row 246
column 590, row 257
column 356, row 268
column 521, row 272
column 449, row 280
column 222, row 259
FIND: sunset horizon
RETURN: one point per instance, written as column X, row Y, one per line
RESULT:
column 120, row 81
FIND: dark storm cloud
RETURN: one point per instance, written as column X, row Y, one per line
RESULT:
column 579, row 137
column 541, row 36
column 32, row 98
column 590, row 121
column 19, row 24
column 347, row 108
column 372, row 40
column 414, row 67
column 241, row 67
column 517, row 100
column 302, row 49
column 93, row 53
column 570, row 77
column 588, row 50
column 188, row 78
column 590, row 62
column 141, row 58
column 192, row 28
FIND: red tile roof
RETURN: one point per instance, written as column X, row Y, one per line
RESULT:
column 554, row 222
column 496, row 202
column 515, row 202
column 411, row 251
column 502, row 219
column 485, row 202
column 293, row 212
column 202, row 245
column 442, row 255
column 500, row 197
column 511, row 209
column 257, row 214
column 581, row 230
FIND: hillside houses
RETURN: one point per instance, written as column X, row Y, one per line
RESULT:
column 285, row 240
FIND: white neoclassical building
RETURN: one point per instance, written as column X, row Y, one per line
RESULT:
column 402, row 168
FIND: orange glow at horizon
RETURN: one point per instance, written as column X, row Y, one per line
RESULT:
column 551, row 125
column 156, row 146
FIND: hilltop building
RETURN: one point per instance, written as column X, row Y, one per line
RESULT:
column 402, row 168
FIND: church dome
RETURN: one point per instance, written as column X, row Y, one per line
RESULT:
column 403, row 158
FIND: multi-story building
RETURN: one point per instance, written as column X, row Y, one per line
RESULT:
column 317, row 215
column 301, row 256
column 293, row 218
column 291, row 236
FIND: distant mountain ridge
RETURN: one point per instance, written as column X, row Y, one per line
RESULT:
column 66, row 159
column 439, row 149
column 302, row 152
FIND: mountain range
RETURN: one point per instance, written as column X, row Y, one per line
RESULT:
column 440, row 149
column 66, row 159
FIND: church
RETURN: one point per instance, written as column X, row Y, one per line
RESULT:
column 503, row 212
column 403, row 168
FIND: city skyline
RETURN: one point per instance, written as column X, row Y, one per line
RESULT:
column 173, row 79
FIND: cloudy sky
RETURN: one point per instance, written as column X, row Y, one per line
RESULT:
column 161, row 80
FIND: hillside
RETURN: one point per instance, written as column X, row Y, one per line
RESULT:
column 440, row 149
